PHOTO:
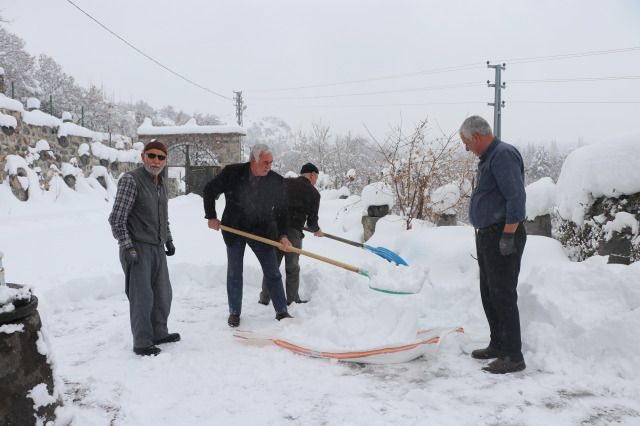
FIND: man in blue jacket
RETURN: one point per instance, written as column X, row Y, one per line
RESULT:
column 254, row 195
column 497, row 211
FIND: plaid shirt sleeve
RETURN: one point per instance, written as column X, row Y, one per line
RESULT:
column 125, row 197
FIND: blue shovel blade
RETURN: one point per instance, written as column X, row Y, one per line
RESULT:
column 387, row 254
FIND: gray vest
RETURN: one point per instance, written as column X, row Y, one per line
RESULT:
column 147, row 221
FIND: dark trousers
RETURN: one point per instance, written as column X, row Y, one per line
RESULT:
column 498, row 283
column 149, row 291
column 292, row 266
column 267, row 257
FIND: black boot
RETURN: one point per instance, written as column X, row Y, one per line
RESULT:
column 283, row 316
column 234, row 320
column 149, row 350
column 169, row 338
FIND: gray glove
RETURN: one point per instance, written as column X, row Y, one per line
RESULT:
column 507, row 243
column 130, row 256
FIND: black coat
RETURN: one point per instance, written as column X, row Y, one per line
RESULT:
column 303, row 200
column 248, row 208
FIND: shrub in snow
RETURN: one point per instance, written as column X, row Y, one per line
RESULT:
column 598, row 192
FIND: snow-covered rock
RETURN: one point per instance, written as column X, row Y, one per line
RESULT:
column 541, row 197
column 377, row 194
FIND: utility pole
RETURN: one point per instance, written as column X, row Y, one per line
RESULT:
column 239, row 109
column 498, row 103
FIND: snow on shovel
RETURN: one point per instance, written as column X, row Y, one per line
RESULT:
column 313, row 255
column 380, row 251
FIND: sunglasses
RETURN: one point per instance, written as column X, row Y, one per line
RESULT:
column 160, row 157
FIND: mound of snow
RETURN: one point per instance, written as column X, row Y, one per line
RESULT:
column 377, row 194
column 445, row 198
column 606, row 168
column 541, row 197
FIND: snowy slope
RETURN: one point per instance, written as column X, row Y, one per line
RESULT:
column 579, row 323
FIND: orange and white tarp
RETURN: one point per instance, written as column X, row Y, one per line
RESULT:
column 425, row 341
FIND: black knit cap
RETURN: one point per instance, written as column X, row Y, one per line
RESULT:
column 309, row 168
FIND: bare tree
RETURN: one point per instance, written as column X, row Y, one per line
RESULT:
column 414, row 167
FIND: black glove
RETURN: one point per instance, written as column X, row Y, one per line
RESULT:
column 171, row 249
column 507, row 243
column 130, row 256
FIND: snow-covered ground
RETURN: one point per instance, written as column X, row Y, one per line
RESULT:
column 580, row 325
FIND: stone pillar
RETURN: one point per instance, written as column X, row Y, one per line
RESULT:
column 25, row 373
column 541, row 225
column 447, row 220
column 618, row 248
column 369, row 222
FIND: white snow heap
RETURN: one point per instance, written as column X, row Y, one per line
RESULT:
column 351, row 174
column 112, row 154
column 541, row 197
column 190, row 127
column 621, row 221
column 39, row 118
column 609, row 168
column 33, row 103
column 8, row 121
column 377, row 194
column 10, row 104
column 83, row 149
column 329, row 194
column 445, row 198
column 66, row 115
column 344, row 192
column 1, row 71
column 138, row 146
column 290, row 175
column 66, row 129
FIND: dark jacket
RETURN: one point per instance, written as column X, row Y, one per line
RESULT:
column 248, row 208
column 499, row 195
column 303, row 200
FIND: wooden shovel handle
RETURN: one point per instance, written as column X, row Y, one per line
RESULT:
column 342, row 240
column 293, row 249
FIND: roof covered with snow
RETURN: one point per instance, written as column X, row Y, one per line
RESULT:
column 189, row 128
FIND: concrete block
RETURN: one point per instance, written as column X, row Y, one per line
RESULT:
column 541, row 225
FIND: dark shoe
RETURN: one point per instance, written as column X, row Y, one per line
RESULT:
column 500, row 366
column 170, row 338
column 234, row 320
column 283, row 316
column 486, row 353
column 263, row 303
column 297, row 301
column 150, row 350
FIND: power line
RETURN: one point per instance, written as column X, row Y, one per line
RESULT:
column 449, row 86
column 463, row 68
column 436, row 71
column 147, row 56
column 446, row 103
column 455, row 86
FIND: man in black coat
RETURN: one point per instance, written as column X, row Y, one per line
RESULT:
column 254, row 195
column 303, row 200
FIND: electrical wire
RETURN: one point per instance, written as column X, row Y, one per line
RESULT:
column 449, row 86
column 147, row 56
column 446, row 103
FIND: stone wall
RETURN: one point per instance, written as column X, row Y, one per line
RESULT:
column 62, row 150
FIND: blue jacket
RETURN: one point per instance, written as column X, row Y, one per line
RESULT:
column 499, row 195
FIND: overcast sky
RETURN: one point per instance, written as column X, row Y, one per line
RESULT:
column 252, row 46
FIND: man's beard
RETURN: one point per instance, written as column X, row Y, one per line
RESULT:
column 148, row 168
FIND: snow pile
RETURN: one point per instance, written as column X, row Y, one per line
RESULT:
column 84, row 149
column 329, row 194
column 10, row 104
column 391, row 277
column 31, row 182
column 66, row 116
column 112, row 185
column 34, row 153
column 541, row 198
column 67, row 129
column 377, row 194
column 445, row 199
column 335, row 331
column 8, row 295
column 344, row 192
column 33, row 103
column 39, row 118
column 8, row 121
column 104, row 152
column 621, row 221
column 190, row 127
column 290, row 175
column 606, row 168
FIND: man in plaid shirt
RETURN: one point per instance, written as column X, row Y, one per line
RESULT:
column 140, row 222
